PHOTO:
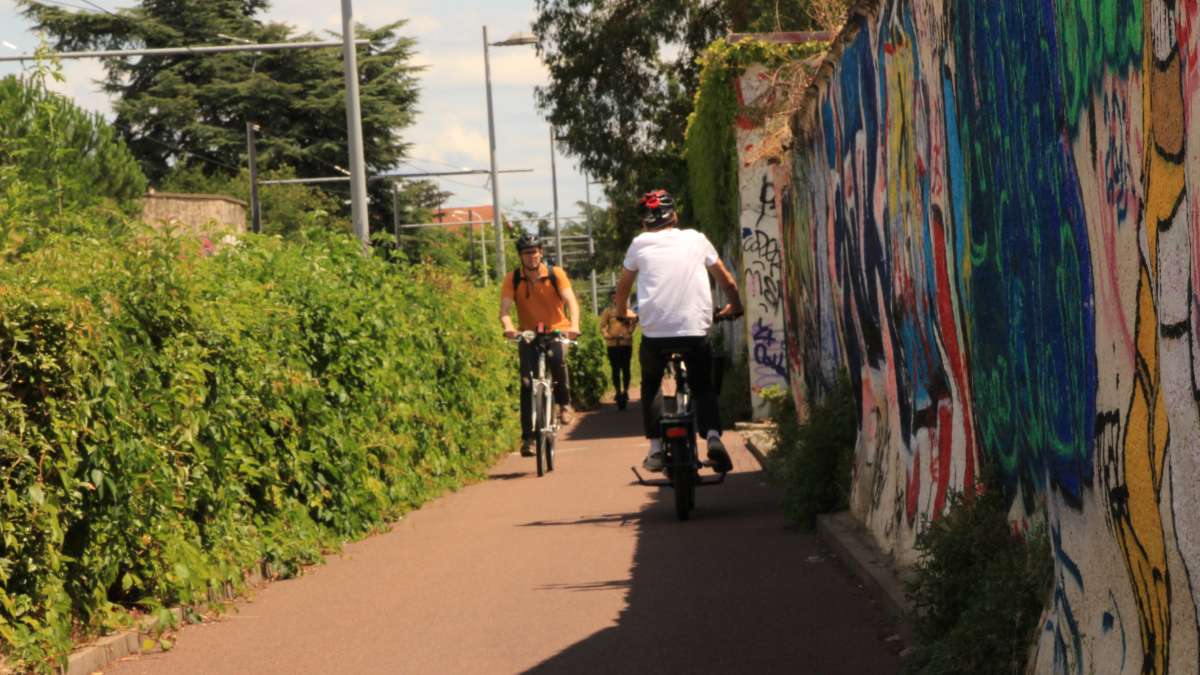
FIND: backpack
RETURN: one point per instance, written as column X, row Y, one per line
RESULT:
column 516, row 280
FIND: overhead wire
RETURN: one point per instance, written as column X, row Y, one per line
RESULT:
column 67, row 4
column 99, row 7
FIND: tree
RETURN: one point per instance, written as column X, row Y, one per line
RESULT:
column 68, row 157
column 618, row 96
column 191, row 110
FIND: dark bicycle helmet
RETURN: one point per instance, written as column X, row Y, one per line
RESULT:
column 655, row 208
column 527, row 241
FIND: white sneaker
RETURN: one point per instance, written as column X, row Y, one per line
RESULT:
column 718, row 455
column 653, row 462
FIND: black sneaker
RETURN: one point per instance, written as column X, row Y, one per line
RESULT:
column 527, row 447
column 718, row 456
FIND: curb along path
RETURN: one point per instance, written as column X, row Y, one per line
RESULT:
column 578, row 572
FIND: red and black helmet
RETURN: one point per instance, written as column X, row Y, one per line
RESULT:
column 655, row 208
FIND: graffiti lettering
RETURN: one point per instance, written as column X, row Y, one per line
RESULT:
column 766, row 198
column 766, row 351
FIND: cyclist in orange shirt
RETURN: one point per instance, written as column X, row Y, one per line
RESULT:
column 541, row 293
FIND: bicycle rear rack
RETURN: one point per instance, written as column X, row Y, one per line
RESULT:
column 663, row 482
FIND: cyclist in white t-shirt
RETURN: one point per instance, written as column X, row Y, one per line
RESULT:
column 671, row 267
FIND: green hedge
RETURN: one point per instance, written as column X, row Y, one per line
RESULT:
column 169, row 418
column 588, row 364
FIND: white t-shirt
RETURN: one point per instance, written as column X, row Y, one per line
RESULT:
column 672, row 285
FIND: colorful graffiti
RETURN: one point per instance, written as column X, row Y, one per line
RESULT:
column 762, row 254
column 993, row 223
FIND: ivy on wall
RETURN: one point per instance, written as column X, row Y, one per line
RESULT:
column 710, row 147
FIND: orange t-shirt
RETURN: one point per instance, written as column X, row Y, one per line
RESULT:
column 539, row 302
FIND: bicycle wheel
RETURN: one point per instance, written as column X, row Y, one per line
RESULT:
column 539, row 425
column 683, row 479
column 541, row 454
column 549, row 442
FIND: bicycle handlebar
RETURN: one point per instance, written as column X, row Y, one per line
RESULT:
column 530, row 336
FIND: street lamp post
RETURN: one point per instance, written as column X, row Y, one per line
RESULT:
column 358, row 174
column 558, row 249
column 514, row 40
column 587, row 196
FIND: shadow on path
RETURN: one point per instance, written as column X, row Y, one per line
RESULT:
column 607, row 422
column 731, row 591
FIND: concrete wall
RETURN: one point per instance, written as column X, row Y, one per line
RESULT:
column 994, row 225
column 194, row 213
column 761, row 253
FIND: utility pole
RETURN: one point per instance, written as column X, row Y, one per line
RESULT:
column 483, row 250
column 396, row 213
column 497, row 218
column 252, row 153
column 358, row 174
column 587, row 199
column 562, row 258
column 487, row 74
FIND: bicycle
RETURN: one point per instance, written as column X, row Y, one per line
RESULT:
column 544, row 421
column 677, row 425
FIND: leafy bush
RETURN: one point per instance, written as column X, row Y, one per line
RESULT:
column 588, row 364
column 812, row 459
column 735, row 392
column 168, row 419
column 979, row 590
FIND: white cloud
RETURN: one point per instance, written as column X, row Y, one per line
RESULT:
column 510, row 66
column 448, row 140
column 421, row 24
column 81, row 83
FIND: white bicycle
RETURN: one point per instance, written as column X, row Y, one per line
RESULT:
column 544, row 421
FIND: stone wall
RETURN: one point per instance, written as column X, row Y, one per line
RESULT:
column 762, row 257
column 993, row 224
column 194, row 213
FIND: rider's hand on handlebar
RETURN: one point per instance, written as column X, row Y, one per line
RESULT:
column 570, row 334
column 511, row 334
column 728, row 312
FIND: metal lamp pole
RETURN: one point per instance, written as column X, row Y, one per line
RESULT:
column 487, row 76
column 558, row 249
column 358, row 174
column 587, row 196
column 514, row 40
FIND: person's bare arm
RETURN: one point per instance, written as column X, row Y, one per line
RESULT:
column 624, row 286
column 573, row 310
column 728, row 284
column 506, row 323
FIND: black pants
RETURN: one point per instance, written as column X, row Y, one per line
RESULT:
column 698, row 358
column 619, row 358
column 557, row 363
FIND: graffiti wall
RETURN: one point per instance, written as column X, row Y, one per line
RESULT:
column 993, row 225
column 761, row 251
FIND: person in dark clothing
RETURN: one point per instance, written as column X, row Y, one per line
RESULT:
column 618, row 336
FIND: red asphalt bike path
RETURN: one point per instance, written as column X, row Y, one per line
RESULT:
column 582, row 571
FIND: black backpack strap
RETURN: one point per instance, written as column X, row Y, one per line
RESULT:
column 517, row 276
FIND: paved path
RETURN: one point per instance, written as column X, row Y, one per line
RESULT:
column 579, row 572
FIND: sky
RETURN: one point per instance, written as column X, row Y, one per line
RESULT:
column 451, row 129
